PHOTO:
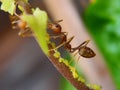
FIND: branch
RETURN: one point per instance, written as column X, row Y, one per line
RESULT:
column 65, row 70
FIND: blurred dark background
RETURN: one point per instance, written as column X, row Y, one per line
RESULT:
column 23, row 65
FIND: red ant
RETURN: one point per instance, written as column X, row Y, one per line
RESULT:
column 19, row 23
column 82, row 49
column 57, row 31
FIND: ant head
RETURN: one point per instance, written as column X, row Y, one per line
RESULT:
column 56, row 27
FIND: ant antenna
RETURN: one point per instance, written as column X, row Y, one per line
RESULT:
column 59, row 21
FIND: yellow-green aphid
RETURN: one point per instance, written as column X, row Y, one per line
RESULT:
column 94, row 86
column 57, row 54
column 81, row 79
column 73, row 70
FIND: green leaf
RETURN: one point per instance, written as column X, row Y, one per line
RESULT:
column 65, row 85
column 25, row 1
column 38, row 23
column 103, row 21
column 8, row 6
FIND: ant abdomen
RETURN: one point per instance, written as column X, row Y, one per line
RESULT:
column 86, row 52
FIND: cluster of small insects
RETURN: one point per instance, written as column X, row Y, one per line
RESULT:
column 83, row 50
column 56, row 28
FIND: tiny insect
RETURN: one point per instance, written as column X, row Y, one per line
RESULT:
column 84, row 50
column 22, row 26
column 18, row 22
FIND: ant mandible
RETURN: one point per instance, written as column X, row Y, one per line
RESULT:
column 82, row 49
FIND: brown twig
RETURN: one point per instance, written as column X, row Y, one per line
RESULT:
column 65, row 71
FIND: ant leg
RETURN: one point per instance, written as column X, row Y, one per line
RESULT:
column 62, row 34
column 74, row 56
column 26, row 33
column 63, row 37
column 78, row 59
column 15, row 22
column 15, row 10
column 70, row 61
column 76, row 53
column 65, row 34
column 84, row 43
column 63, row 43
column 54, row 37
column 77, row 62
column 58, row 21
column 50, row 24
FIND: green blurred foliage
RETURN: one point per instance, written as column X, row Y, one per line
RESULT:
column 65, row 85
column 8, row 6
column 102, row 19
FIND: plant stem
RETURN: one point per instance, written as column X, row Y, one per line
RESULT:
column 61, row 67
